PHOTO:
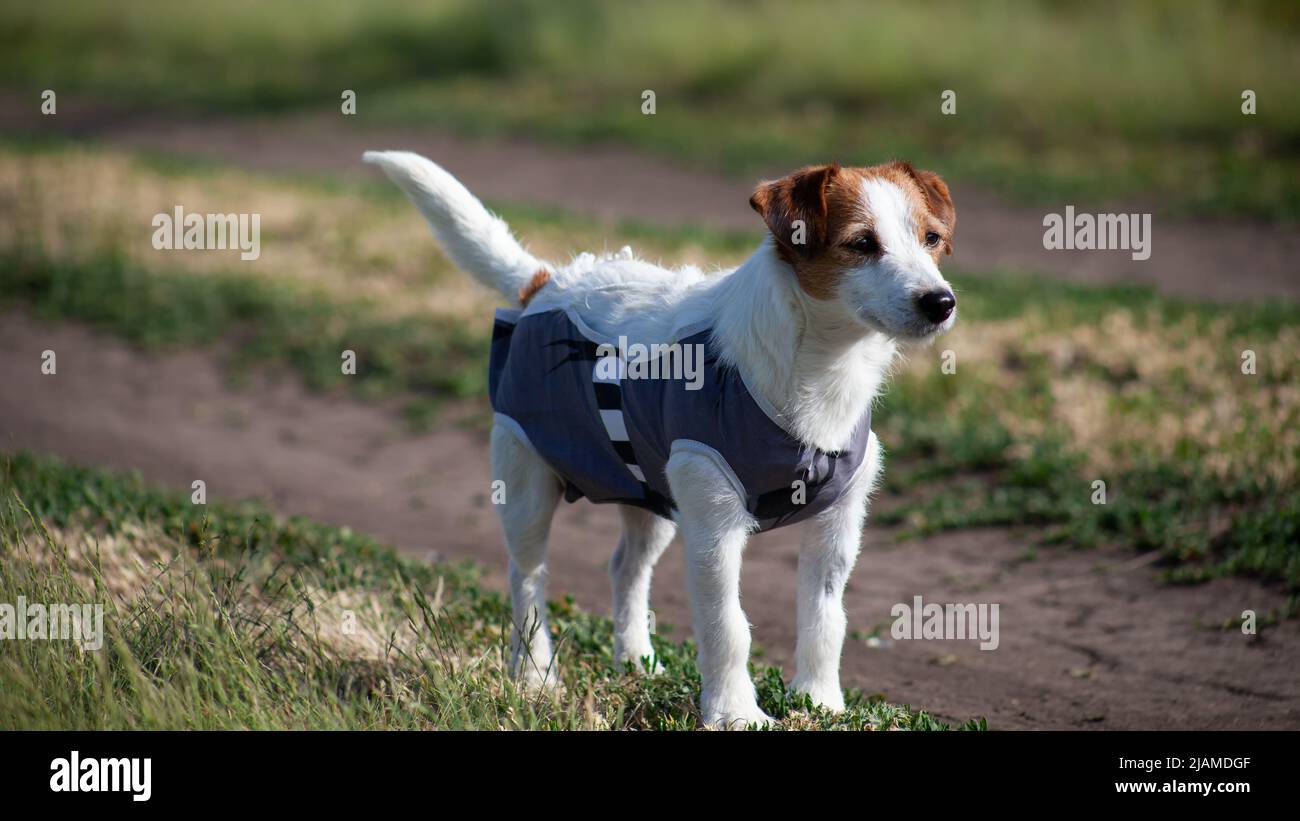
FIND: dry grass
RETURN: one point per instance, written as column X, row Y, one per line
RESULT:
column 349, row 245
column 138, row 566
column 1130, row 386
column 77, row 203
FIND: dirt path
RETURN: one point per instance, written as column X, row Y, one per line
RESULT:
column 1215, row 259
column 1088, row 640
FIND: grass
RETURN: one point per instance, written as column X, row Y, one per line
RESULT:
column 1056, row 386
column 423, row 363
column 332, row 276
column 1056, row 102
column 223, row 617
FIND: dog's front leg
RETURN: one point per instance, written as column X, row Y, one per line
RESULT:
column 830, row 547
column 715, row 526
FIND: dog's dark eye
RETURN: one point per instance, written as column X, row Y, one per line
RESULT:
column 931, row 239
column 865, row 244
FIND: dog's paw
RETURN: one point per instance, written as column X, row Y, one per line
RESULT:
column 748, row 719
column 736, row 709
column 828, row 696
column 535, row 680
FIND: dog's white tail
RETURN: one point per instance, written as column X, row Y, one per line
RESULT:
column 478, row 241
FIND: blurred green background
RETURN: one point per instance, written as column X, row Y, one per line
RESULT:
column 1081, row 100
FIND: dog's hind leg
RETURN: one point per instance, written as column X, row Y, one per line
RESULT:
column 531, row 493
column 645, row 537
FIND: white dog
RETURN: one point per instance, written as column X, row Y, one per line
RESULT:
column 798, row 340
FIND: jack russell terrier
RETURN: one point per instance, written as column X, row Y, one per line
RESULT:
column 794, row 345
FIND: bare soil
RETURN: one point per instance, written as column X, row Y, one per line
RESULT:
column 1089, row 639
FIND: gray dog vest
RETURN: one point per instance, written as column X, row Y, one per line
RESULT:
column 608, row 435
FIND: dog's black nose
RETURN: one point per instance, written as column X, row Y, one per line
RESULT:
column 937, row 306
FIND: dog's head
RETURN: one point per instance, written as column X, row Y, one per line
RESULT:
column 868, row 239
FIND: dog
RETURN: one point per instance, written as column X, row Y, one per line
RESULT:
column 797, row 341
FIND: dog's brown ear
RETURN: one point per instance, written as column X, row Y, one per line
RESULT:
column 794, row 208
column 937, row 198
